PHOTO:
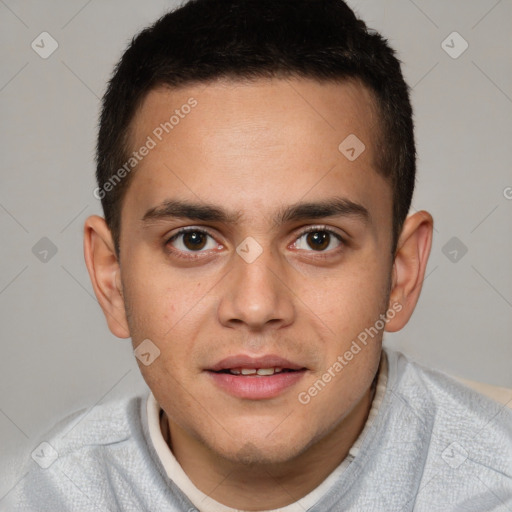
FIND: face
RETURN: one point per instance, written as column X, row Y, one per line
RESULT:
column 249, row 241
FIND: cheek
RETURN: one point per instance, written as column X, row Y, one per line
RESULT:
column 324, row 405
column 157, row 298
column 164, row 308
column 352, row 296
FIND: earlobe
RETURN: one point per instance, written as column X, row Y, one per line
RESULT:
column 105, row 274
column 409, row 266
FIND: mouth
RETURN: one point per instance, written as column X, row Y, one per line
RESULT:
column 258, row 372
column 255, row 378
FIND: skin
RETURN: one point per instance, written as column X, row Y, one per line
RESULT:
column 256, row 148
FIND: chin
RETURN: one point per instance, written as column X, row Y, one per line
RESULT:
column 250, row 454
column 260, row 449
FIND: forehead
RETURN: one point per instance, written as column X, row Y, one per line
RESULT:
column 229, row 105
column 270, row 140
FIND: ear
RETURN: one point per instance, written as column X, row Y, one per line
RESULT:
column 411, row 257
column 105, row 274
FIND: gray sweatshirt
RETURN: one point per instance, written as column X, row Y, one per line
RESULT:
column 434, row 445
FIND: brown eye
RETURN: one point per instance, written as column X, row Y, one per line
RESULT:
column 192, row 240
column 319, row 240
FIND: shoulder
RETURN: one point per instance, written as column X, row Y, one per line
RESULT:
column 464, row 424
column 449, row 396
column 83, row 456
column 101, row 425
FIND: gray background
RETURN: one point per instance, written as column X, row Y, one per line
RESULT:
column 57, row 353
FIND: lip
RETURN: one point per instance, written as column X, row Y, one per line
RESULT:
column 255, row 387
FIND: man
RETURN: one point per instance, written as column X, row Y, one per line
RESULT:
column 256, row 165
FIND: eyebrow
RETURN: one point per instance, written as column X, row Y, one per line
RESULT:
column 334, row 207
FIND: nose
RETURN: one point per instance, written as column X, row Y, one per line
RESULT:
column 255, row 295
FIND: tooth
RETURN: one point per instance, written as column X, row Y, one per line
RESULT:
column 278, row 370
column 248, row 371
column 265, row 371
column 235, row 372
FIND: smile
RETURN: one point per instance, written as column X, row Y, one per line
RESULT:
column 255, row 378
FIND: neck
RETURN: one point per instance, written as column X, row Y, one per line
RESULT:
column 265, row 487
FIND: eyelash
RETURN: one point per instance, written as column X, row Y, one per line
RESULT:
column 193, row 255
